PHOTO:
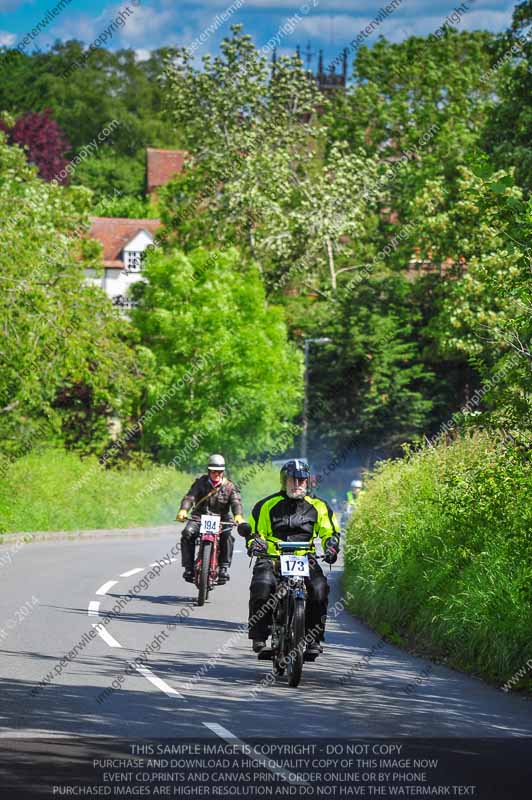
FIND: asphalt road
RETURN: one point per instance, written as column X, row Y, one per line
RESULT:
column 54, row 593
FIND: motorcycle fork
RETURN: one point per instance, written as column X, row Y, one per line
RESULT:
column 288, row 601
column 213, row 566
column 297, row 591
column 279, row 619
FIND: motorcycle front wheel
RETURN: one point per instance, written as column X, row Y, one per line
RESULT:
column 203, row 588
column 296, row 639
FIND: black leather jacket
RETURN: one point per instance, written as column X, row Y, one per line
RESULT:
column 203, row 499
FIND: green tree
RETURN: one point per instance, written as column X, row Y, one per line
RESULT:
column 67, row 364
column 485, row 311
column 417, row 109
column 404, row 92
column 371, row 380
column 108, row 173
column 227, row 377
column 87, row 90
column 122, row 204
column 257, row 174
column 334, row 221
column 420, row 116
column 508, row 131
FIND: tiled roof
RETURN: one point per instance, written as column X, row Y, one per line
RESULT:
column 162, row 165
column 115, row 232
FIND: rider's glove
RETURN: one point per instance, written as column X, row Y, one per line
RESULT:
column 256, row 546
column 331, row 550
column 239, row 518
column 181, row 515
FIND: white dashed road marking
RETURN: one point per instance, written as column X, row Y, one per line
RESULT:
column 231, row 738
column 131, row 572
column 106, row 636
column 223, row 733
column 158, row 682
column 93, row 611
column 106, row 586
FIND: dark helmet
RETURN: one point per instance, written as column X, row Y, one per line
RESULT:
column 296, row 468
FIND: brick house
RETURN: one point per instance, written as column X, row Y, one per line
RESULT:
column 125, row 240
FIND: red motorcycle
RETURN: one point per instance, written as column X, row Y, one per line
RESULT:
column 206, row 563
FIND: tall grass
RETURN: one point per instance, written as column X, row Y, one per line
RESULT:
column 257, row 481
column 53, row 490
column 439, row 554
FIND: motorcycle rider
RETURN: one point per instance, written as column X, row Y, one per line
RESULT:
column 290, row 515
column 354, row 491
column 210, row 494
column 351, row 498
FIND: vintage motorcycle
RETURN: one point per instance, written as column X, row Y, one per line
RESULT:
column 288, row 638
column 206, row 564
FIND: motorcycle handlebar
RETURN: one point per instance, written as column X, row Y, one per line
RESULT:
column 308, row 553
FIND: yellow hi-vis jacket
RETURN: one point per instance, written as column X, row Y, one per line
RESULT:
column 279, row 518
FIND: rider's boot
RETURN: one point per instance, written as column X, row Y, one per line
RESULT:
column 258, row 645
column 314, row 649
column 188, row 575
column 223, row 573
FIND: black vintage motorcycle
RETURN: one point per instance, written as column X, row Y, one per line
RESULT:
column 288, row 650
column 288, row 638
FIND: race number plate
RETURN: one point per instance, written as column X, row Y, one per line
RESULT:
column 295, row 566
column 209, row 523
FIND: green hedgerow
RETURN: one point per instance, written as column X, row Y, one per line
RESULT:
column 440, row 549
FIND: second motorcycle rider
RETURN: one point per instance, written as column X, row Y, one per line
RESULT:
column 210, row 494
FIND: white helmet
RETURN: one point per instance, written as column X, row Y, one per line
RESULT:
column 356, row 484
column 217, row 462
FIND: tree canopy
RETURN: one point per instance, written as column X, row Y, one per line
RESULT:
column 87, row 90
column 221, row 361
column 390, row 218
column 67, row 367
column 40, row 135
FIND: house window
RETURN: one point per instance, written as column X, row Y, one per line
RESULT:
column 133, row 261
column 123, row 302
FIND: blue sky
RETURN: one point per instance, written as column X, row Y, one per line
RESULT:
column 326, row 24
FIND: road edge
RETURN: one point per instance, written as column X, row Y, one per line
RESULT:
column 96, row 533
